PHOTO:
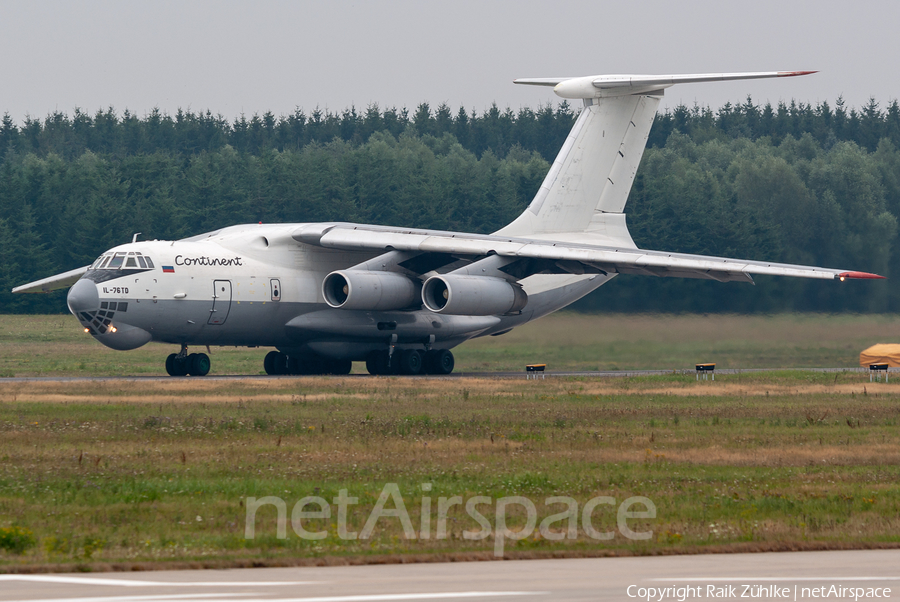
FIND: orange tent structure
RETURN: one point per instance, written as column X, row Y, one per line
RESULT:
column 881, row 354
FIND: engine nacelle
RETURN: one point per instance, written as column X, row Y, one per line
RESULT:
column 359, row 289
column 472, row 295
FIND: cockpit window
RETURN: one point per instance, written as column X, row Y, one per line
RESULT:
column 120, row 260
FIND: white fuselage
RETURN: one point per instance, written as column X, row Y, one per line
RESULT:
column 255, row 285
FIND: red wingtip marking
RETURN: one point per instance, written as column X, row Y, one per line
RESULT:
column 794, row 73
column 860, row 275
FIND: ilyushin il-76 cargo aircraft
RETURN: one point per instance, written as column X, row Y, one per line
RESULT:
column 324, row 295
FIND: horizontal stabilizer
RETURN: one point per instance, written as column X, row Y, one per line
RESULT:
column 541, row 81
column 599, row 86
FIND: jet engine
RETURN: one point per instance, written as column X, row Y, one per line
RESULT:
column 472, row 295
column 375, row 291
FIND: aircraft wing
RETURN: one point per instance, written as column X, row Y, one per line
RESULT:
column 64, row 280
column 554, row 256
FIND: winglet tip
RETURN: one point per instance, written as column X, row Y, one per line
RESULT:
column 794, row 73
column 859, row 276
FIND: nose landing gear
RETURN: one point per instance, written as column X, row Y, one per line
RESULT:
column 183, row 364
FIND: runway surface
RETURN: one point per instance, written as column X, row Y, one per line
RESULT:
column 782, row 576
column 455, row 375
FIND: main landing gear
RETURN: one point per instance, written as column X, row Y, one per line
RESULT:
column 401, row 361
column 277, row 362
column 410, row 361
column 183, row 364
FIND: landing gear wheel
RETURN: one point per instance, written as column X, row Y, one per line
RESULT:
column 176, row 366
column 307, row 365
column 340, row 367
column 199, row 364
column 410, row 362
column 296, row 366
column 171, row 365
column 439, row 361
column 373, row 363
column 377, row 363
column 275, row 363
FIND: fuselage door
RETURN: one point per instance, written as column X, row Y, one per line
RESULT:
column 221, row 304
column 275, row 289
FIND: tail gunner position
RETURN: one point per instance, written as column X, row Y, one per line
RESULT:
column 328, row 294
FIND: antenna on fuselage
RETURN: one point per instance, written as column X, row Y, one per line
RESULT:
column 134, row 238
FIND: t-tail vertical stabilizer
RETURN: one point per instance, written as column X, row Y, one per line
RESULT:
column 583, row 195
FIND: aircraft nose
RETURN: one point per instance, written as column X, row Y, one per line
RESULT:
column 83, row 296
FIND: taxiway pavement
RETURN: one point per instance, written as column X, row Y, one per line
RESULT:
column 770, row 576
column 455, row 375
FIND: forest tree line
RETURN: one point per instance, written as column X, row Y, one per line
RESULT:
column 792, row 183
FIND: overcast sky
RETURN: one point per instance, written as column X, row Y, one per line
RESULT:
column 234, row 57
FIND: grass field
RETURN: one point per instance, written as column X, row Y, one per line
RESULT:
column 124, row 473
column 56, row 345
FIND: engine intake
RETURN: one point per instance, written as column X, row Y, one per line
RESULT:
column 357, row 289
column 472, row 295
